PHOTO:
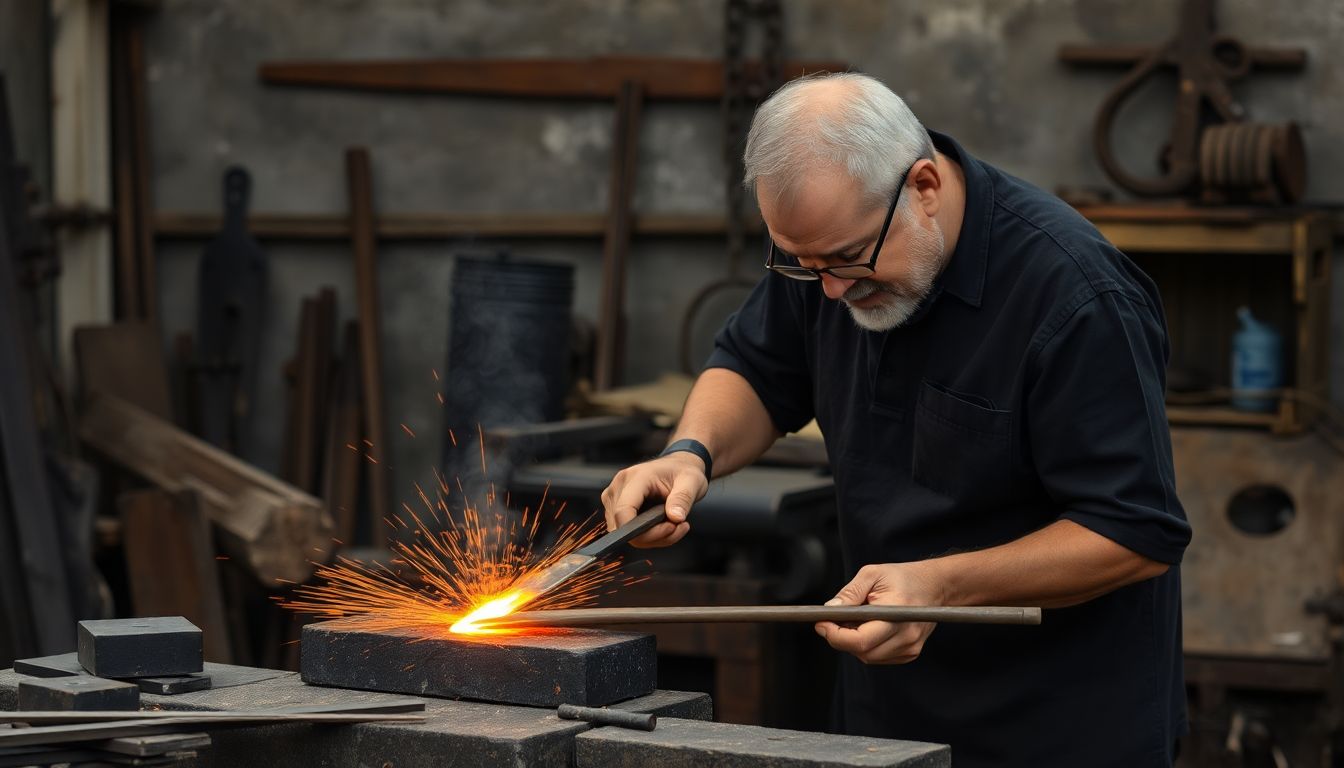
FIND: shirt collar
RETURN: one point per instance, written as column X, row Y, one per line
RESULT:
column 964, row 275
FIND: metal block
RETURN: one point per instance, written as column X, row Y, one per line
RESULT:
column 586, row 667
column 692, row 743
column 60, row 665
column 150, row 647
column 171, row 686
column 78, row 693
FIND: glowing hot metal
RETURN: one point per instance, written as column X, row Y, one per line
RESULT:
column 494, row 609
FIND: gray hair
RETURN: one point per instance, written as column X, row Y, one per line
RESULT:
column 809, row 123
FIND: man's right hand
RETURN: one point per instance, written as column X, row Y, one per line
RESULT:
column 678, row 478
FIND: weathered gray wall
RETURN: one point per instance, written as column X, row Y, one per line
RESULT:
column 982, row 70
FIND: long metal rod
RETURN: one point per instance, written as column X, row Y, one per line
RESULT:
column 278, row 715
column 593, row 617
column 137, row 726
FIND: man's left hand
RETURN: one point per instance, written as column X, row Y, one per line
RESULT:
column 884, row 642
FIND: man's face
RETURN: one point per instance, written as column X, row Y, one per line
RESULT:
column 826, row 224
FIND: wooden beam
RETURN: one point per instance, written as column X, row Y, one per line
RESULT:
column 595, row 78
column 183, row 225
column 359, row 177
column 271, row 527
column 81, row 163
column 616, row 237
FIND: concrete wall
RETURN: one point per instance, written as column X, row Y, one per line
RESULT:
column 982, row 70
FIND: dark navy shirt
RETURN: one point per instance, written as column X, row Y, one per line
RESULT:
column 1028, row 388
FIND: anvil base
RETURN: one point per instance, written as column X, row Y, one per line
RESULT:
column 544, row 669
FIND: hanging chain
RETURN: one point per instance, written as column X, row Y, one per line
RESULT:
column 742, row 92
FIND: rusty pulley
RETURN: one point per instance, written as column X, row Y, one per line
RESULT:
column 1265, row 163
column 1218, row 162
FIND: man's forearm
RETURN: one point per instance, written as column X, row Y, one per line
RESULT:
column 725, row 414
column 1060, row 565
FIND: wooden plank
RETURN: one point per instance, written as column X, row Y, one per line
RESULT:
column 137, row 279
column 594, row 78
column 320, row 371
column 296, row 459
column 1190, row 415
column 445, row 226
column 81, row 164
column 126, row 360
column 342, row 464
column 129, row 306
column 171, row 566
column 616, row 238
column 268, row 525
column 141, row 188
column 359, row 176
column 1266, row 237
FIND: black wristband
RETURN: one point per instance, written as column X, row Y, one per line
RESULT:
column 692, row 446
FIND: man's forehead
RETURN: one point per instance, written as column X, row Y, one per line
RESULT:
column 823, row 205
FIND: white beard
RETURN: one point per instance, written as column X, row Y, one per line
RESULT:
column 899, row 301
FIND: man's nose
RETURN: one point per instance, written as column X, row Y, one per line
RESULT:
column 834, row 286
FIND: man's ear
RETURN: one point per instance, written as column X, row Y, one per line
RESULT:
column 928, row 183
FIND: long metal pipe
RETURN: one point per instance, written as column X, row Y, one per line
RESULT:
column 592, row 617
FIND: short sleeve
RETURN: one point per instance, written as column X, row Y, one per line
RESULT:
column 1098, row 428
column 764, row 343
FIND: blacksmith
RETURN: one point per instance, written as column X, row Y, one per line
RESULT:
column 988, row 373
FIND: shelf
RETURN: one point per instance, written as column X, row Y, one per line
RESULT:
column 1209, row 415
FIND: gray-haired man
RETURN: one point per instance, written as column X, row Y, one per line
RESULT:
column 988, row 372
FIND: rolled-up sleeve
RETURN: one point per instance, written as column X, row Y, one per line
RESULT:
column 763, row 342
column 1097, row 424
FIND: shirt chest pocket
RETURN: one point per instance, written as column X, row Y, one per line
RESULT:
column 962, row 446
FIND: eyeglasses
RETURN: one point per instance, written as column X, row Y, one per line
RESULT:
column 842, row 271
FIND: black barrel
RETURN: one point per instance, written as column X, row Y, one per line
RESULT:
column 508, row 348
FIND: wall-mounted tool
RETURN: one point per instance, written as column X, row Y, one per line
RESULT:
column 1234, row 159
column 228, row 328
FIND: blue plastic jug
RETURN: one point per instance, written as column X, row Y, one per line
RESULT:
column 1257, row 364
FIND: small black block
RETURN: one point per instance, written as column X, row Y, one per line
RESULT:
column 587, row 667
column 168, row 686
column 60, row 665
column 77, row 693
column 150, row 647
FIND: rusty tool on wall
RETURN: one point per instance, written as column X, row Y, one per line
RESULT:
column 232, row 288
column 1234, row 159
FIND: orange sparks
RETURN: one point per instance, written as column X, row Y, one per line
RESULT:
column 456, row 571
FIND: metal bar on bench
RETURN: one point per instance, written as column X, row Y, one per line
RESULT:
column 593, row 617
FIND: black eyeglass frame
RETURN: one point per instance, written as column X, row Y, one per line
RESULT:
column 841, row 271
